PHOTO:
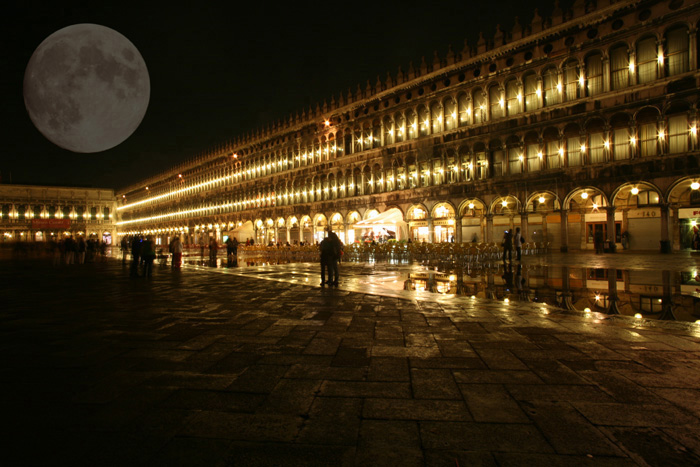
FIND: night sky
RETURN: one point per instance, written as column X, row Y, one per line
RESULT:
column 217, row 71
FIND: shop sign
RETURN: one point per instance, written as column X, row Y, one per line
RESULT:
column 692, row 290
column 644, row 213
column 688, row 213
column 42, row 224
column 646, row 289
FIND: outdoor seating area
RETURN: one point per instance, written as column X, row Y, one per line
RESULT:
column 458, row 253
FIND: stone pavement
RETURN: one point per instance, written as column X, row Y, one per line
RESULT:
column 199, row 367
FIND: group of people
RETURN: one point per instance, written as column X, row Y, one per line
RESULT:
column 71, row 251
column 331, row 251
column 510, row 242
column 143, row 253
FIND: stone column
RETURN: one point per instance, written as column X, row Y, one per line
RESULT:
column 458, row 230
column 431, row 234
column 610, row 221
column 665, row 235
column 583, row 240
column 488, row 235
column 524, row 225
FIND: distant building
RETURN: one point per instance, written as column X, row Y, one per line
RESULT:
column 42, row 213
column 569, row 127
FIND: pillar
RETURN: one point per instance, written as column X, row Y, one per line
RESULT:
column 458, row 230
column 610, row 221
column 665, row 234
column 488, row 235
column 431, row 234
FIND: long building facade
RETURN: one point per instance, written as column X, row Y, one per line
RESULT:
column 571, row 127
column 31, row 213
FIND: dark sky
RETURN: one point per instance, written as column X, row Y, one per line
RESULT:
column 219, row 70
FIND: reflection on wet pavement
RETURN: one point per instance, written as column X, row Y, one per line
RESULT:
column 637, row 287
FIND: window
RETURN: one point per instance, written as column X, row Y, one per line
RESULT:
column 423, row 121
column 399, row 127
column 573, row 151
column 571, row 81
column 553, row 157
column 552, row 94
column 677, row 134
column 479, row 107
column 512, row 101
column 677, row 51
column 533, row 157
column 531, row 98
column 496, row 101
column 93, row 213
column 596, row 148
column 464, row 109
column 450, row 116
column 594, row 74
column 647, row 59
column 621, row 144
column 515, row 165
column 481, row 165
column 646, row 198
column 436, row 115
column 647, row 139
column 388, row 131
column 619, row 66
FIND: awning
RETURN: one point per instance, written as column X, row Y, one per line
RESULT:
column 386, row 219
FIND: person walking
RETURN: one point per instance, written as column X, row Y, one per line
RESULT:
column 125, row 248
column 507, row 245
column 518, row 243
column 335, row 259
column 148, row 252
column 136, row 243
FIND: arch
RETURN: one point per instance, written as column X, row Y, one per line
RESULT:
column 630, row 194
column 507, row 204
column 543, row 201
column 585, row 197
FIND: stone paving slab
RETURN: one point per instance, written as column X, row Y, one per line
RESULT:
column 200, row 367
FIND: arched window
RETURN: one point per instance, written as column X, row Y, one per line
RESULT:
column 450, row 114
column 677, row 51
column 399, row 127
column 411, row 124
column 436, row 116
column 515, row 159
column 647, row 60
column 620, row 137
column 573, row 147
column 620, row 66
column 552, row 87
column 531, row 92
column 534, row 156
column 596, row 143
column 647, row 136
column 678, row 133
column 572, row 77
column 512, row 99
column 552, row 152
column 594, row 74
column 496, row 101
column 423, row 121
column 388, row 131
column 464, row 109
column 480, row 109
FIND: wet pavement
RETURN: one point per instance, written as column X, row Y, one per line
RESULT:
column 261, row 366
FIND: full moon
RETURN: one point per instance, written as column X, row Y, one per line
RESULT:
column 86, row 88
